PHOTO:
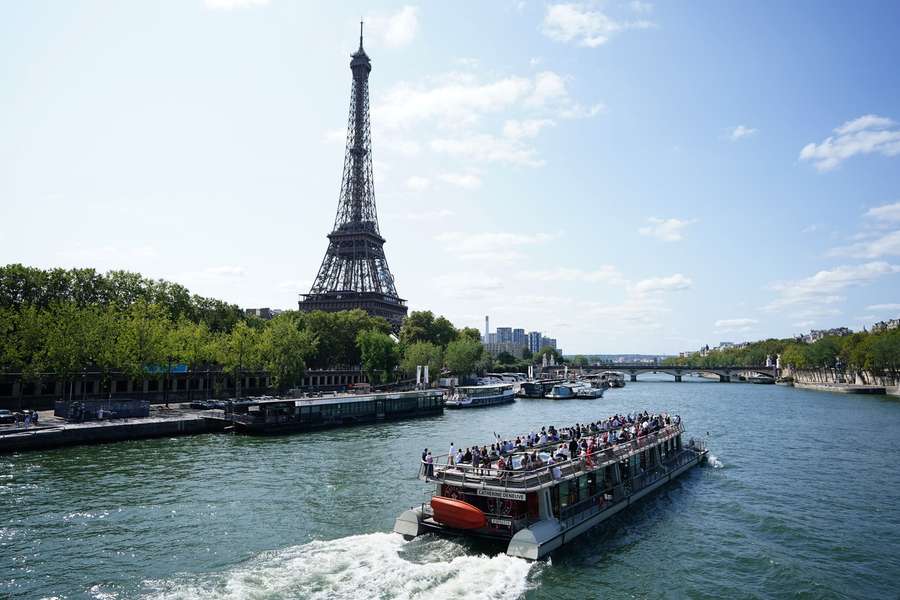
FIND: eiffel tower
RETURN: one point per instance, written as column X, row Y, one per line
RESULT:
column 354, row 272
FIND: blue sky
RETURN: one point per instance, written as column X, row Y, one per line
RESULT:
column 625, row 176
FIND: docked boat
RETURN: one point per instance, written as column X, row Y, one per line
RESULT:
column 562, row 391
column 289, row 415
column 476, row 396
column 761, row 379
column 534, row 505
column 536, row 388
column 614, row 379
column 589, row 392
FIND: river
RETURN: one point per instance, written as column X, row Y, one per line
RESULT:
column 799, row 500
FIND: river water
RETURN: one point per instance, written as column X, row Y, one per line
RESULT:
column 800, row 500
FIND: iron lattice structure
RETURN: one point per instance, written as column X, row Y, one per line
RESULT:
column 354, row 272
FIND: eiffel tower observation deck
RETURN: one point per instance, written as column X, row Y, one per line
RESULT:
column 354, row 272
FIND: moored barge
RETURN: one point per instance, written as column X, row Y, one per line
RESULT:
column 535, row 505
column 478, row 396
column 289, row 415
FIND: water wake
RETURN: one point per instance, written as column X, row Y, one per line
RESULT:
column 377, row 565
column 714, row 461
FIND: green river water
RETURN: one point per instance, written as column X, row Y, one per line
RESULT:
column 800, row 500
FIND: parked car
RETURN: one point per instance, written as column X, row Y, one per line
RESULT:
column 7, row 416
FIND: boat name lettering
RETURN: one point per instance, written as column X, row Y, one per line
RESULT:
column 504, row 495
column 501, row 522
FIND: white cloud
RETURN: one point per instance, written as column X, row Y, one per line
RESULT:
column 232, row 4
column 741, row 132
column 885, row 245
column 430, row 215
column 804, row 324
column 672, row 283
column 468, row 285
column 884, row 307
column 667, row 230
column 865, row 135
column 457, row 103
column 735, row 325
column 335, row 136
column 885, row 212
column 418, row 184
column 583, row 26
column 483, row 147
column 528, row 128
column 640, row 7
column 742, row 322
column 468, row 181
column 225, row 271
column 810, row 228
column 494, row 245
column 811, row 295
column 394, row 30
column 603, row 274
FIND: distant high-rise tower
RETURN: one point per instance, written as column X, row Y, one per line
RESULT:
column 487, row 327
column 354, row 272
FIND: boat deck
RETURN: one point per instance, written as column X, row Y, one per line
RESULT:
column 521, row 481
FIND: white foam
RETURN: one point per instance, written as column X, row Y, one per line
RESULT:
column 361, row 566
column 714, row 461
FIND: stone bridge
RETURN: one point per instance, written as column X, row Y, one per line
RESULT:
column 725, row 373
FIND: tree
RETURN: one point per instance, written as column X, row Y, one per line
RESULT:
column 142, row 343
column 238, row 351
column 580, row 361
column 284, row 348
column 379, row 354
column 505, row 358
column 463, row 355
column 337, row 333
column 470, row 333
column 422, row 353
column 527, row 354
column 549, row 352
column 422, row 326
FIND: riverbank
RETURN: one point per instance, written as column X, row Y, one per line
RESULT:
column 53, row 432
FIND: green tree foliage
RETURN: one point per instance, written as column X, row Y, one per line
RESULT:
column 462, row 356
column 422, row 353
column 580, row 361
column 337, row 333
column 380, row 355
column 284, row 348
column 505, row 358
column 422, row 326
column 549, row 352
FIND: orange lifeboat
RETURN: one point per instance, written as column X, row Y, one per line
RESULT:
column 457, row 514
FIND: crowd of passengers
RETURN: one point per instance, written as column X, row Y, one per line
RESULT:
column 578, row 441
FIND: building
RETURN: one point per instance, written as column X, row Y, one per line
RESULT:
column 263, row 313
column 882, row 326
column 518, row 338
column 534, row 341
column 513, row 340
column 354, row 272
column 817, row 334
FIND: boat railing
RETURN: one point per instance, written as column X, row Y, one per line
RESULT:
column 468, row 475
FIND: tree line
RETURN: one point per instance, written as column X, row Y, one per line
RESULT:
column 63, row 322
column 878, row 352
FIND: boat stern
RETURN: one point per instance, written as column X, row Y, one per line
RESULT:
column 537, row 541
column 409, row 524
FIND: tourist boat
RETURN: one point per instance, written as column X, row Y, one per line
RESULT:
column 289, row 415
column 476, row 396
column 536, row 510
column 614, row 379
column 761, row 379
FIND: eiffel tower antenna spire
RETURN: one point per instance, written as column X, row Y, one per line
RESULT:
column 354, row 272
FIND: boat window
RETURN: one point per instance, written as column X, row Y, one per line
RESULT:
column 583, row 487
column 563, row 494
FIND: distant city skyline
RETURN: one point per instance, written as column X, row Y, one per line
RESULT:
column 625, row 177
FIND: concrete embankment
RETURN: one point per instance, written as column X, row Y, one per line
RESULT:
column 70, row 434
column 842, row 388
